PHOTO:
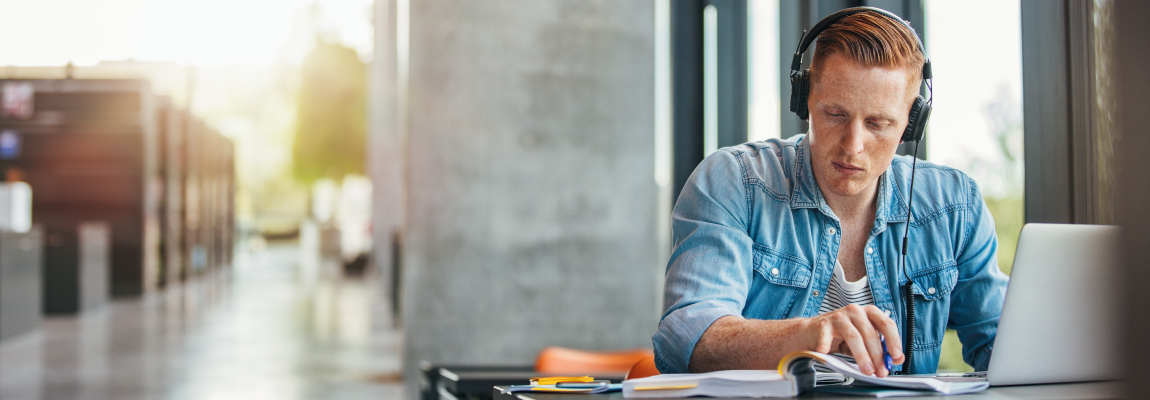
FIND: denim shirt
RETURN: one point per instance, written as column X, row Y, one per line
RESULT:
column 753, row 236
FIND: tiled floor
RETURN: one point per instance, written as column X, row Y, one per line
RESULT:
column 274, row 328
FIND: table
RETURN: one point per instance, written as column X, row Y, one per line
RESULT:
column 1065, row 391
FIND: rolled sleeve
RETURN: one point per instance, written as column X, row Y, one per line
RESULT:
column 680, row 331
column 981, row 288
column 709, row 272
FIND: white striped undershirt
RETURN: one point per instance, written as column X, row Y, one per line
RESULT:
column 840, row 292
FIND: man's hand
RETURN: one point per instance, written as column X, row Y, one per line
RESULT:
column 734, row 342
column 855, row 330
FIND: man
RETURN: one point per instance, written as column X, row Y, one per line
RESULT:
column 788, row 245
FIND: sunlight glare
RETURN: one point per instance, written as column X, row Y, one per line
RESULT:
column 202, row 32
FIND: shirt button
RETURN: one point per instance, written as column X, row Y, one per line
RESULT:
column 815, row 293
column 930, row 291
column 830, row 231
column 870, row 250
column 774, row 271
column 887, row 312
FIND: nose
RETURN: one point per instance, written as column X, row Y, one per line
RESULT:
column 853, row 140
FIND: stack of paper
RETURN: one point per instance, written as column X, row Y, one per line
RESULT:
column 734, row 383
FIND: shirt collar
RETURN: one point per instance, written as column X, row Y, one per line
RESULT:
column 891, row 206
column 806, row 193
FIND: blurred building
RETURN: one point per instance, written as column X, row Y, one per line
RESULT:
column 110, row 152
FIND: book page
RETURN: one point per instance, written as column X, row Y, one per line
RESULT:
column 852, row 371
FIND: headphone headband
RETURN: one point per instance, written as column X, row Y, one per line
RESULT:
column 810, row 36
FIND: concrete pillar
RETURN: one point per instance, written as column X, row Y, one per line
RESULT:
column 531, row 204
column 385, row 158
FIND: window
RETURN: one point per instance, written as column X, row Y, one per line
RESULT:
column 763, row 71
column 976, row 126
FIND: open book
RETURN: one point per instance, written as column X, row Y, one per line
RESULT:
column 796, row 374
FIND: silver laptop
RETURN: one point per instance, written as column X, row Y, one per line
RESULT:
column 1059, row 323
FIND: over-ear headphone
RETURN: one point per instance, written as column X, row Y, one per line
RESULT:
column 801, row 79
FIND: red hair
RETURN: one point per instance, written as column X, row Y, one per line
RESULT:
column 873, row 40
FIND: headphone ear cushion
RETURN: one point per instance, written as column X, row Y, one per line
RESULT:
column 800, row 89
column 916, row 121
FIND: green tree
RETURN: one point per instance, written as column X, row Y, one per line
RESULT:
column 331, row 118
column 1004, row 199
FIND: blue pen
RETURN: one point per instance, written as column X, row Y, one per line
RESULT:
column 886, row 360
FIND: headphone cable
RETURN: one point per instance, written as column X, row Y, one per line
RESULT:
column 907, row 289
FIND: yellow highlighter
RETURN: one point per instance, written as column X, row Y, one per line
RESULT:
column 551, row 380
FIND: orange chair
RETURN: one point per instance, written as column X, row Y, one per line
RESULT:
column 644, row 368
column 560, row 361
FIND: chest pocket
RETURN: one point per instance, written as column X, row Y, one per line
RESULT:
column 932, row 287
column 936, row 282
column 781, row 269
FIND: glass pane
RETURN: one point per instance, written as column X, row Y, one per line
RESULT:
column 710, row 80
column 976, row 126
column 763, row 71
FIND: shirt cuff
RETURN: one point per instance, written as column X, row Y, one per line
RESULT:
column 680, row 330
column 983, row 362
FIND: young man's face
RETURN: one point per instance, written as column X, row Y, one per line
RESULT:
column 857, row 116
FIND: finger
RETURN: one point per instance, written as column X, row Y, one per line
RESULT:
column 889, row 329
column 845, row 329
column 826, row 337
column 870, row 337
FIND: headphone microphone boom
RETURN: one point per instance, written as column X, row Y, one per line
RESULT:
column 915, row 129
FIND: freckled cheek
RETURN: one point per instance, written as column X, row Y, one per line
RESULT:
column 881, row 163
column 884, row 149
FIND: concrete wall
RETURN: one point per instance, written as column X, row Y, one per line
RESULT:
column 531, row 208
